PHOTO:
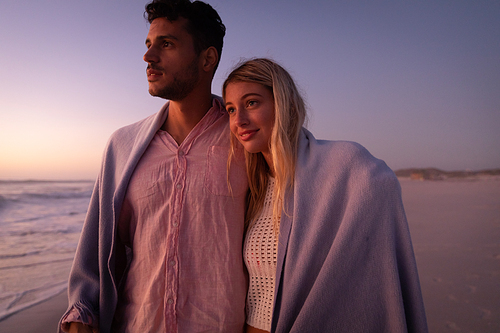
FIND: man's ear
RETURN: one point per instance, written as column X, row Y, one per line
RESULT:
column 209, row 58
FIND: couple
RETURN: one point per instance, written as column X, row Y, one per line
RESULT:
column 192, row 198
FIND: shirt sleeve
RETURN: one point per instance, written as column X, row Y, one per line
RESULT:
column 79, row 315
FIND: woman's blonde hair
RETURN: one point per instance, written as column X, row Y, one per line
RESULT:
column 290, row 114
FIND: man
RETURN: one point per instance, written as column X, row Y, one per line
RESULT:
column 160, row 249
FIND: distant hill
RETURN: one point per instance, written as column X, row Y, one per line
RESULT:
column 437, row 174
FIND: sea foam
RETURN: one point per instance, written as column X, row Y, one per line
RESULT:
column 40, row 224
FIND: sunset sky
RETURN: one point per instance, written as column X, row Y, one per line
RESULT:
column 415, row 82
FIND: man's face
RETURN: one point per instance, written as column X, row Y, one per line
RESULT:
column 173, row 65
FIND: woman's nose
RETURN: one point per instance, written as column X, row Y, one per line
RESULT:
column 241, row 118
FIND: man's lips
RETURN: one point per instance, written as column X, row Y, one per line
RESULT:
column 247, row 135
column 153, row 73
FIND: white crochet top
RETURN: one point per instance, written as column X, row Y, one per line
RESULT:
column 260, row 253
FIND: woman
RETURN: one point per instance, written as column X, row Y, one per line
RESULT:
column 327, row 246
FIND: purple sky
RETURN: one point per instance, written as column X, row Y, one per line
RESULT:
column 417, row 83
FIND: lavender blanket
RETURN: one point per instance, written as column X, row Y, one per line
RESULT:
column 345, row 258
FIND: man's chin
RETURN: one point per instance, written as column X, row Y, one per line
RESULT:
column 156, row 93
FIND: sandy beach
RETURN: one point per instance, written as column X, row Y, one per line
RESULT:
column 455, row 227
column 40, row 318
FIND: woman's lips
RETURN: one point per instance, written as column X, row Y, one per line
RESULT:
column 247, row 135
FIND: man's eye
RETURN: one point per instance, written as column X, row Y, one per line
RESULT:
column 166, row 44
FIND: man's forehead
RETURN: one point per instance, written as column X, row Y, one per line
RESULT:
column 162, row 29
column 178, row 26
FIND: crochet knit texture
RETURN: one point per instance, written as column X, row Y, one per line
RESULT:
column 260, row 253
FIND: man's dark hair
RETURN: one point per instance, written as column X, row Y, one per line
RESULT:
column 204, row 23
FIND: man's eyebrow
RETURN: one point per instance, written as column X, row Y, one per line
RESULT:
column 162, row 37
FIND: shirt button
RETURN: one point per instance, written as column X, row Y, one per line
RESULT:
column 172, row 262
column 170, row 301
column 179, row 186
column 181, row 153
column 175, row 224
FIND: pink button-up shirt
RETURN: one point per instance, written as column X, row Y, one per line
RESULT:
column 185, row 229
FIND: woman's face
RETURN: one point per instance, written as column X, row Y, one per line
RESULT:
column 251, row 115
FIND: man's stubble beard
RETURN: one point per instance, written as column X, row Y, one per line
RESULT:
column 181, row 87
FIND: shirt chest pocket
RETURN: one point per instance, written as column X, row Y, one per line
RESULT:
column 216, row 177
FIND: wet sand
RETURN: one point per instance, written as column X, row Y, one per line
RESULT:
column 455, row 227
column 40, row 318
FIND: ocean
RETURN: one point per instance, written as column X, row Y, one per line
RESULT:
column 40, row 224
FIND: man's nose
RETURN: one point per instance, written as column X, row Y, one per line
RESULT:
column 151, row 55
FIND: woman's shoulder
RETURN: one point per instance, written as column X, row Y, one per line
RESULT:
column 344, row 157
column 345, row 149
column 307, row 139
column 335, row 150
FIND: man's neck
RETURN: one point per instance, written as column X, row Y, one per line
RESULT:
column 184, row 115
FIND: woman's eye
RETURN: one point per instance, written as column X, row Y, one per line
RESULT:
column 251, row 103
column 230, row 110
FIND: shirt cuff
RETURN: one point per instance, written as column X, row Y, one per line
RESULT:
column 79, row 315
